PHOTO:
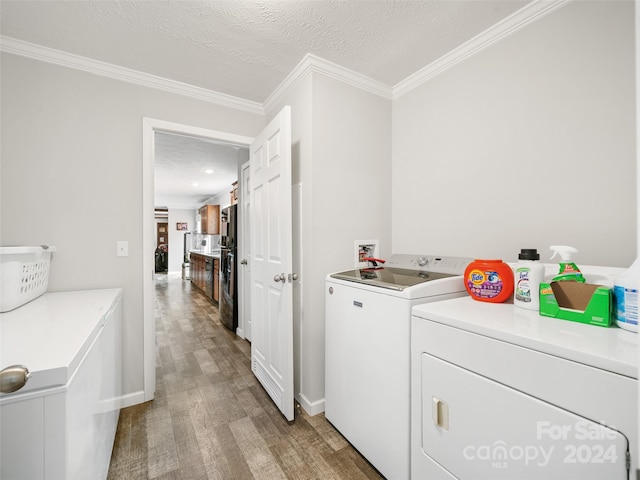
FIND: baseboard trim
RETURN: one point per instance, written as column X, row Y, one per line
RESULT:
column 312, row 408
column 131, row 399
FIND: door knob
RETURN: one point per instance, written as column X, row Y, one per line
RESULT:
column 293, row 276
column 279, row 278
column 243, row 261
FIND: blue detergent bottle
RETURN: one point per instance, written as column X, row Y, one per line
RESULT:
column 625, row 298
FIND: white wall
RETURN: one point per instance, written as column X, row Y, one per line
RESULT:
column 222, row 199
column 72, row 176
column 176, row 237
column 341, row 138
column 529, row 143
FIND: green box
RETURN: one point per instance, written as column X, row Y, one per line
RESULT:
column 576, row 301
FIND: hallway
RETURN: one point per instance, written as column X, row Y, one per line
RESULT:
column 211, row 418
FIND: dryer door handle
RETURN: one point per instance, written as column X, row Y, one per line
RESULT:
column 440, row 413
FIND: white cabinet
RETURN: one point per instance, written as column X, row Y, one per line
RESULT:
column 62, row 423
column 499, row 393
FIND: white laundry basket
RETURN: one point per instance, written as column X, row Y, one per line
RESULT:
column 24, row 274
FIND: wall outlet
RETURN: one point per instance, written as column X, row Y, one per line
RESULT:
column 364, row 249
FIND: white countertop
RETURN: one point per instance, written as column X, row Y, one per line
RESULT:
column 612, row 349
column 206, row 254
column 51, row 334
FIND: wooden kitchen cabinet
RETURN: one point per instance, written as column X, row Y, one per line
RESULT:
column 216, row 280
column 210, row 219
column 198, row 270
column 199, row 275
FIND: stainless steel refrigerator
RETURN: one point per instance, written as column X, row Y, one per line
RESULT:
column 228, row 277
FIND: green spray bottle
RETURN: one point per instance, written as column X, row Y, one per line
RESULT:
column 568, row 269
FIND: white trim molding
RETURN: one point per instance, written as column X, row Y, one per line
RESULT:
column 310, row 63
column 312, row 408
column 58, row 57
column 526, row 15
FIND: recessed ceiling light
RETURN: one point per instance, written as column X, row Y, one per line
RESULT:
column 208, row 170
column 195, row 184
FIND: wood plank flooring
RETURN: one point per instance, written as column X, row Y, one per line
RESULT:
column 211, row 419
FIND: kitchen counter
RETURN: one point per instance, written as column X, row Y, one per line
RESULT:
column 205, row 273
column 206, row 254
column 612, row 349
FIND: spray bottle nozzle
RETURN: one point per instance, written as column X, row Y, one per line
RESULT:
column 568, row 269
column 566, row 252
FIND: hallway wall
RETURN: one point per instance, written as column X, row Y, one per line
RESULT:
column 71, row 163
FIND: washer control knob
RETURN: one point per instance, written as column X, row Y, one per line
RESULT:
column 422, row 261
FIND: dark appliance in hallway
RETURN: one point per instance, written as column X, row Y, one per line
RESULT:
column 228, row 277
column 208, row 277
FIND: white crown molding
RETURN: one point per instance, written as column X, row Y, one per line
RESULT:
column 50, row 55
column 311, row 63
column 526, row 15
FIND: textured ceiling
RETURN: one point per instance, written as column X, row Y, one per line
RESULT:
column 180, row 161
column 246, row 49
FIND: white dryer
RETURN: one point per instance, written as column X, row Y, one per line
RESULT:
column 367, row 351
column 499, row 392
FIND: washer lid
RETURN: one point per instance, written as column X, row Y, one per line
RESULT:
column 389, row 277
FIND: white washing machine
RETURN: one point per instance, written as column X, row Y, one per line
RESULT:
column 367, row 351
column 498, row 392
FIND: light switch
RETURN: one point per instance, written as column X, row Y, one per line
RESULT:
column 122, row 248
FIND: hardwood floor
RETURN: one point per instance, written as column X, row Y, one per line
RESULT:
column 211, row 419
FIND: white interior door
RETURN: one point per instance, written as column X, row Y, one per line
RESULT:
column 245, row 239
column 271, row 261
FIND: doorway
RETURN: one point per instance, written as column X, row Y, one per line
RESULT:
column 162, row 250
column 150, row 128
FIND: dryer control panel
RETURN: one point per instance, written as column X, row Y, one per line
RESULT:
column 432, row 263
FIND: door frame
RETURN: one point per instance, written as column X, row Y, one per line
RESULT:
column 149, row 127
column 244, row 277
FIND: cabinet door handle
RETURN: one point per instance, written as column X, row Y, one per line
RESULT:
column 440, row 413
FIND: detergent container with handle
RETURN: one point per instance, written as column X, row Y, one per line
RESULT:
column 489, row 280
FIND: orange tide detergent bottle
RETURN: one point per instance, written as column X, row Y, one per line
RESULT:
column 489, row 280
